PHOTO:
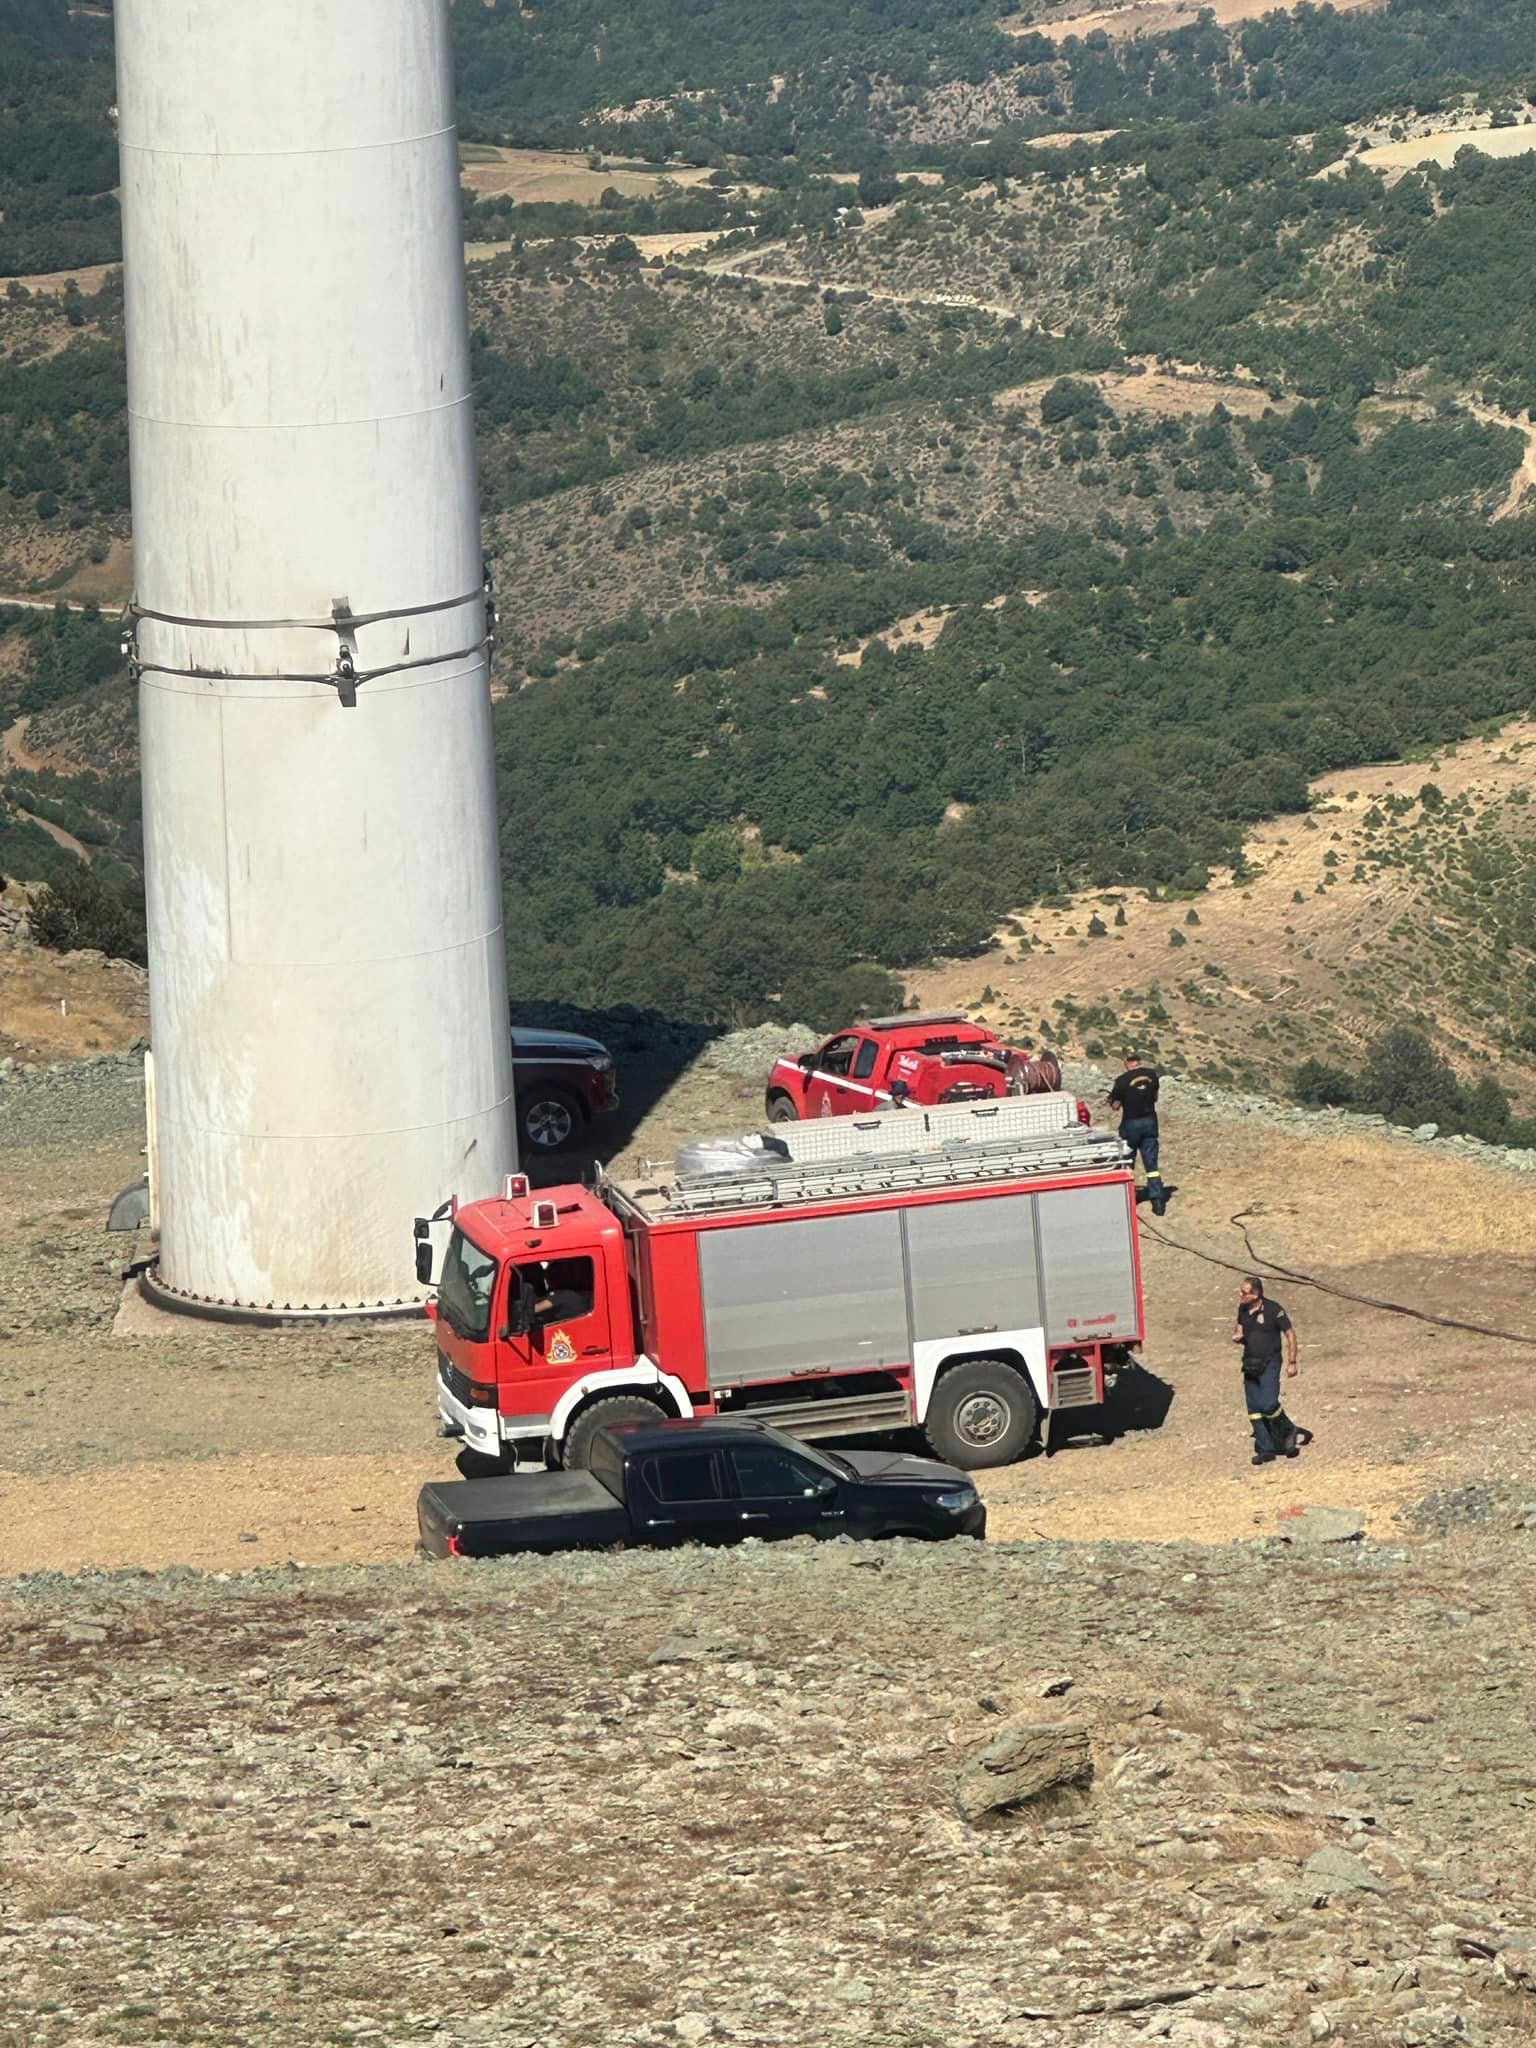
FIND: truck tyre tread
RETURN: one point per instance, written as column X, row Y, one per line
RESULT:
column 577, row 1446
column 983, row 1413
column 782, row 1110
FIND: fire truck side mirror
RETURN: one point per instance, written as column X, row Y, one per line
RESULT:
column 421, row 1230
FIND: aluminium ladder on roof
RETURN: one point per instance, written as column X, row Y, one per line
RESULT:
column 1003, row 1117
column 775, row 1184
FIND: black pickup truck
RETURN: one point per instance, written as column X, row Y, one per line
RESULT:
column 698, row 1482
column 565, row 1083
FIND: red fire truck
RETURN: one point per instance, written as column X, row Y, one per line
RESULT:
column 891, row 1062
column 964, row 1271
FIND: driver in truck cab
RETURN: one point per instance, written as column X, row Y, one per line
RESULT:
column 562, row 1290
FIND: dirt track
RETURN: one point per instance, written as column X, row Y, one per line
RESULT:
column 1523, row 482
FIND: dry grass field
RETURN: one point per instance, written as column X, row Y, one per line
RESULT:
column 57, row 1006
column 545, row 175
column 1173, row 391
column 665, row 247
column 1315, row 948
column 1443, row 147
column 54, row 283
column 1148, row 17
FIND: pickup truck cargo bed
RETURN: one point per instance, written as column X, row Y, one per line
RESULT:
column 539, row 1511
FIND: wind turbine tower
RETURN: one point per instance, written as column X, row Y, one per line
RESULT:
column 310, row 637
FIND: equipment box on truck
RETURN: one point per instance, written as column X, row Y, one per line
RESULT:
column 946, row 1270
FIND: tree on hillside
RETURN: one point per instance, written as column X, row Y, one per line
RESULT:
column 1406, row 1081
column 78, row 909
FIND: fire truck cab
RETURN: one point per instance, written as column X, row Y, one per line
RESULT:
column 963, row 1271
column 535, row 1316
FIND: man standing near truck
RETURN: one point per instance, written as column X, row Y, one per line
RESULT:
column 1134, row 1094
column 1262, row 1328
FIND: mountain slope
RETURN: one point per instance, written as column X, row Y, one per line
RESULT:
column 1406, row 893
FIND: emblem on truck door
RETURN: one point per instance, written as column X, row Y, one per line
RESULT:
column 559, row 1349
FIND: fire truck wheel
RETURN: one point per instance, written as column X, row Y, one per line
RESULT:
column 781, row 1110
column 616, row 1408
column 982, row 1413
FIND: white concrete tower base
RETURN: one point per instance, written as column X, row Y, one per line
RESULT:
column 327, row 976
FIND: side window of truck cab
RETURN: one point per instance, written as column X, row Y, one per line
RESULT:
column 765, row 1472
column 685, row 1499
column 864, row 1059
column 836, row 1056
column 684, row 1476
column 566, row 1320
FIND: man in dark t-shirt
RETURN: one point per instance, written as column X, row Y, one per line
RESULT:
column 1264, row 1329
column 1134, row 1094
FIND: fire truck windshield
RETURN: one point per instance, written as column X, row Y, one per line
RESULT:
column 465, row 1290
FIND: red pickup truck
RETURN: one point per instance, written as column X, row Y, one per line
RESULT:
column 911, row 1059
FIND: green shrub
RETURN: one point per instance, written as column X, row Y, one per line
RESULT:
column 1321, row 1086
column 717, row 855
column 79, row 909
column 1407, row 1081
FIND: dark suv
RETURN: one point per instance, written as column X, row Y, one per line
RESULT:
column 565, row 1082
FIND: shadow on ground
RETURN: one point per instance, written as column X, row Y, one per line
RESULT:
column 1138, row 1400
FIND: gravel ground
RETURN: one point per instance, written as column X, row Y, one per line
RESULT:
column 70, row 1105
column 710, row 1796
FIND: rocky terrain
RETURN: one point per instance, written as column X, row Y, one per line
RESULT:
column 1184, row 1753
column 996, row 1794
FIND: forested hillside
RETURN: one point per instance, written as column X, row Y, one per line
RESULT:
column 58, row 153
column 902, row 519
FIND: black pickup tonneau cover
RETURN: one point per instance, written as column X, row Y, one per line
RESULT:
column 533, row 1511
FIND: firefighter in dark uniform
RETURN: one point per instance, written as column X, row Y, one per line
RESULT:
column 1134, row 1094
column 1263, row 1328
